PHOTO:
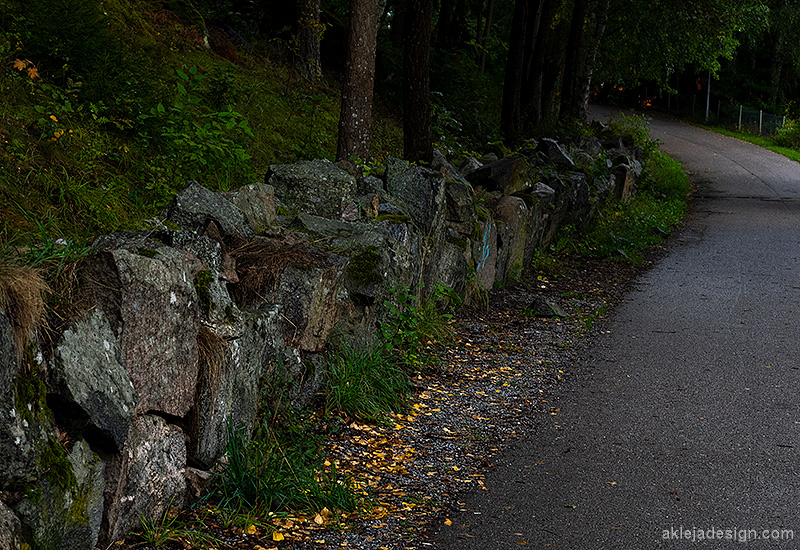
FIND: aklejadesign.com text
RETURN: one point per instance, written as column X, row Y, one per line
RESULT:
column 697, row 534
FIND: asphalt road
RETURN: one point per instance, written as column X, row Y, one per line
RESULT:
column 682, row 422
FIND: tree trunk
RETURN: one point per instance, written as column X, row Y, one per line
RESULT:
column 417, row 142
column 359, row 82
column 776, row 69
column 511, row 110
column 572, row 64
column 484, row 38
column 309, row 33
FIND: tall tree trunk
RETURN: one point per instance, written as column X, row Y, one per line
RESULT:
column 417, row 141
column 484, row 38
column 776, row 69
column 586, row 31
column 536, row 50
column 572, row 63
column 309, row 33
column 598, row 28
column 511, row 110
column 359, row 82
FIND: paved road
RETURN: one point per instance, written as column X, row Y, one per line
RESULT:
column 687, row 414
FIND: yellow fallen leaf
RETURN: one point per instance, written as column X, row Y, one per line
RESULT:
column 448, row 522
column 319, row 520
column 277, row 536
column 251, row 530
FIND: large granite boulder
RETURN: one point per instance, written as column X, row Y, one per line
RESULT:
column 315, row 186
column 308, row 283
column 197, row 206
column 256, row 202
column 67, row 503
column 232, row 366
column 10, row 529
column 484, row 253
column 512, row 216
column 145, row 479
column 148, row 292
column 509, row 175
column 89, row 374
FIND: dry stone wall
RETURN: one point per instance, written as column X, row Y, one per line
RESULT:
column 174, row 331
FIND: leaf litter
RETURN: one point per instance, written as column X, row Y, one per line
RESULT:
column 491, row 386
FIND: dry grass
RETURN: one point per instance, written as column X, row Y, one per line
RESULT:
column 22, row 292
column 211, row 350
column 259, row 263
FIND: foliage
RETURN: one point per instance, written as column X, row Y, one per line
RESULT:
column 789, row 134
column 647, row 41
column 277, row 467
column 195, row 144
column 412, row 329
column 168, row 528
column 364, row 383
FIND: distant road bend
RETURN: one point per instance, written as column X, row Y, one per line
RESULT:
column 681, row 425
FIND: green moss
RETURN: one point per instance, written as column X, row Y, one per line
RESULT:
column 393, row 218
column 56, row 467
column 477, row 232
column 362, row 267
column 461, row 242
column 483, row 214
column 202, row 284
column 30, row 395
column 147, row 252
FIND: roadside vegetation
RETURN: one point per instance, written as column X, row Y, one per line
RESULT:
column 98, row 135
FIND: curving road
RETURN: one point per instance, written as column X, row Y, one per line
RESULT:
column 683, row 421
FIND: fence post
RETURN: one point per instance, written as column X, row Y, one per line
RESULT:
column 760, row 118
column 740, row 118
column 719, row 106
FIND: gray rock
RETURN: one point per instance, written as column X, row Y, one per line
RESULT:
column 89, row 373
column 544, row 307
column 509, row 175
column 10, row 529
column 85, row 514
column 460, row 213
column 313, row 298
column 421, row 191
column 231, row 370
column 469, row 165
column 316, row 187
column 66, row 512
column 256, row 202
column 150, row 299
column 512, row 216
column 145, row 479
column 196, row 206
column 25, row 422
column 556, row 154
column 484, row 254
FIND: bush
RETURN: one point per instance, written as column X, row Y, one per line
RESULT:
column 789, row 134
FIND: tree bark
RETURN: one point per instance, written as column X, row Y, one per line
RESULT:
column 417, row 140
column 575, row 46
column 484, row 38
column 309, row 33
column 511, row 110
column 359, row 82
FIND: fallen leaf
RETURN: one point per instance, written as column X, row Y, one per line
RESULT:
column 448, row 522
column 251, row 530
column 277, row 536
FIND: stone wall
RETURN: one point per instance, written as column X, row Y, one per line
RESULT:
column 170, row 333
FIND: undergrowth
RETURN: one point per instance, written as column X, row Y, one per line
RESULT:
column 623, row 230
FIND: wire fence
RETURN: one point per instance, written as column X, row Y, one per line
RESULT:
column 726, row 114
